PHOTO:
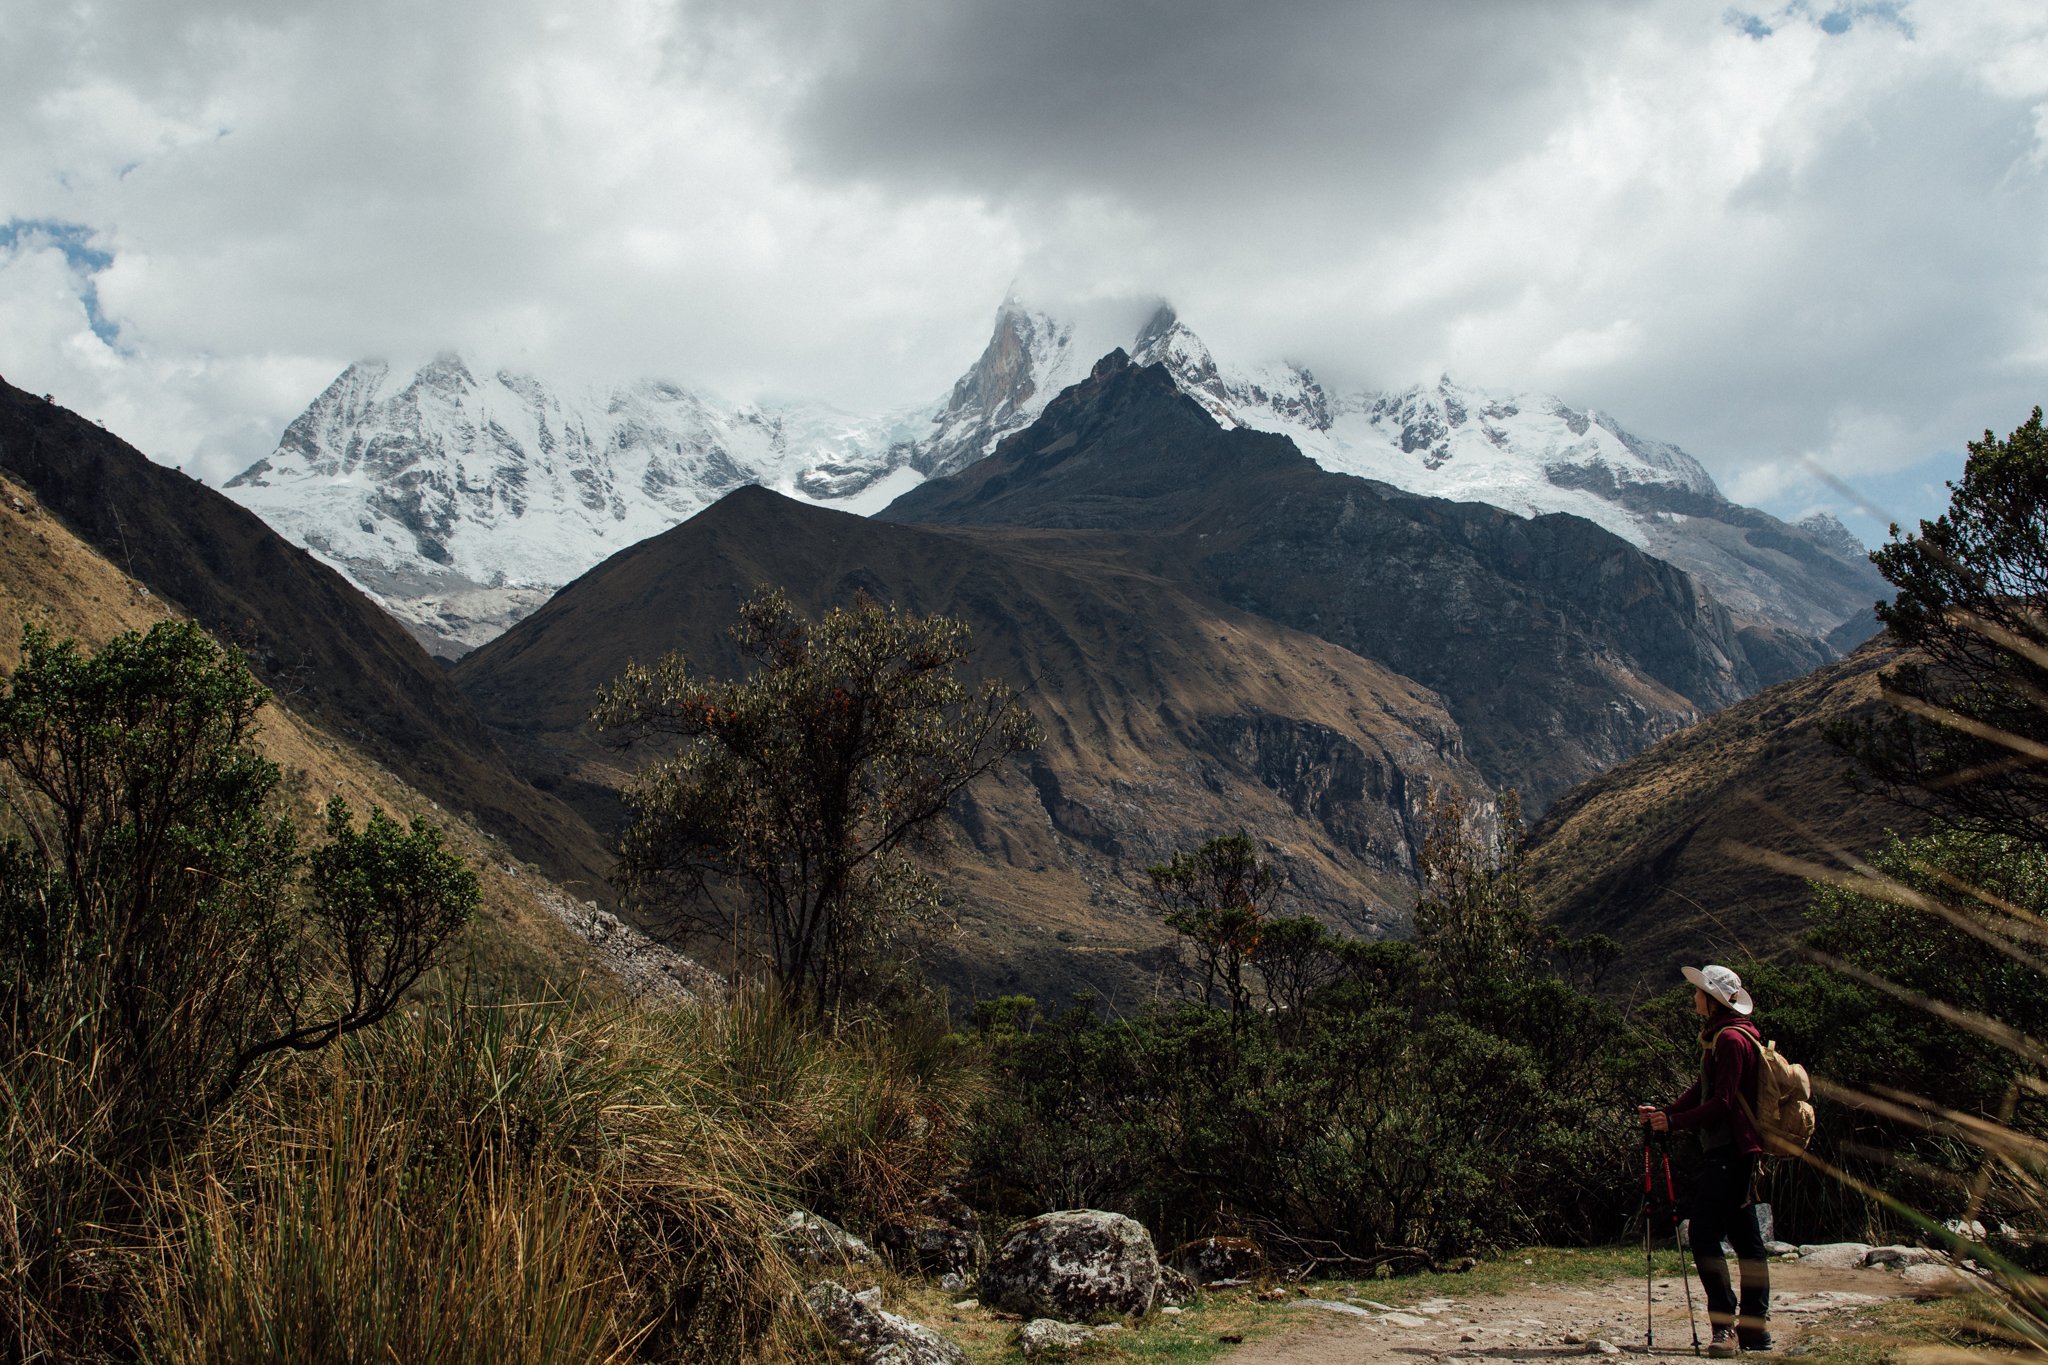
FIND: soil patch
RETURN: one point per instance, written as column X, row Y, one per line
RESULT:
column 1557, row 1322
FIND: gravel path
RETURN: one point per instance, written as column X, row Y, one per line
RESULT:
column 1552, row 1323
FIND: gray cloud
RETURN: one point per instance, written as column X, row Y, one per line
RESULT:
column 1172, row 101
column 1808, row 232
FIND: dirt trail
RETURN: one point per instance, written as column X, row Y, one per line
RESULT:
column 1546, row 1323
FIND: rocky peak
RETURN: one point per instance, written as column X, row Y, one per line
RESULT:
column 1110, row 364
column 445, row 373
column 1552, row 625
column 1829, row 531
column 1002, row 379
column 1162, row 322
column 1265, row 397
column 319, row 435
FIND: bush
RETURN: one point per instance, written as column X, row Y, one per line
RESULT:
column 1370, row 1127
column 157, row 944
column 150, row 881
column 1393, row 1102
column 1915, row 961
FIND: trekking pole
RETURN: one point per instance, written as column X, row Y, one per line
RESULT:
column 1687, row 1261
column 1649, row 1265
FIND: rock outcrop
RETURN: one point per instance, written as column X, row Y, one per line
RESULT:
column 1210, row 1259
column 940, row 1236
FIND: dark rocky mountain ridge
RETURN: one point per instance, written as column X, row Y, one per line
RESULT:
column 1660, row 852
column 1560, row 648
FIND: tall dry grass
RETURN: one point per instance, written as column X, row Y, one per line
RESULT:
column 477, row 1180
column 1992, row 1158
column 69, row 1219
column 1996, row 1162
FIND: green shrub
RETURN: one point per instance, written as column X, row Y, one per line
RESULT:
column 1366, row 1128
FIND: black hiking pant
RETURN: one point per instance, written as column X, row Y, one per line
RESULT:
column 1721, row 1207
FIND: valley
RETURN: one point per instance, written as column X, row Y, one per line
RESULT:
column 1217, row 633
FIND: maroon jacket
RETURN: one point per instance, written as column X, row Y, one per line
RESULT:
column 1729, row 1070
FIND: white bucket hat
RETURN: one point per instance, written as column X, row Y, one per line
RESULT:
column 1723, row 985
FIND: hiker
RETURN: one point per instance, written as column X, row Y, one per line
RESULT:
column 1723, row 1198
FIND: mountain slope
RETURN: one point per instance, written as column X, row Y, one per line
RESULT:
column 317, row 642
column 530, row 935
column 1170, row 718
column 1651, row 853
column 1559, row 648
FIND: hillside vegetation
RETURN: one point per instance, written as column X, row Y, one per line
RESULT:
column 1668, row 852
column 499, row 1151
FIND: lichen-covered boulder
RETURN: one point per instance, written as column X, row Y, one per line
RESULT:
column 1048, row 1339
column 1210, row 1259
column 1174, row 1287
column 875, row 1336
column 1078, row 1265
column 819, row 1242
column 940, row 1236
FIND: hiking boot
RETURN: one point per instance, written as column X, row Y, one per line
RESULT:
column 1724, row 1343
column 1756, row 1341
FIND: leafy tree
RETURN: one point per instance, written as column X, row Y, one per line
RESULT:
column 1298, row 958
column 786, row 821
column 1969, row 726
column 1473, row 921
column 149, row 891
column 383, row 901
column 1215, row 900
column 1927, row 992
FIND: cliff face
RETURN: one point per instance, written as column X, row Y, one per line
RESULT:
column 1559, row 648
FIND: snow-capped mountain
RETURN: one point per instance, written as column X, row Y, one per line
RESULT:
column 463, row 502
column 1532, row 454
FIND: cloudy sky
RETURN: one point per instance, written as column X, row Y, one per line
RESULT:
column 1793, row 238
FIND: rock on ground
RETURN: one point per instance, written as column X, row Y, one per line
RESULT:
column 1834, row 1255
column 1077, row 1265
column 1933, row 1275
column 940, row 1236
column 859, row 1323
column 1209, row 1259
column 1898, row 1257
column 817, row 1242
column 1045, row 1339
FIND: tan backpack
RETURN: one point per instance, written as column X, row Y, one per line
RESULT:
column 1783, row 1116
